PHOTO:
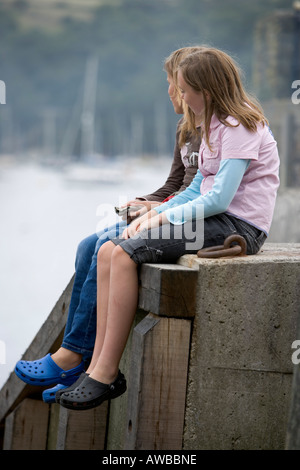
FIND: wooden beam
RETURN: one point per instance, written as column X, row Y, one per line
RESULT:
column 26, row 427
column 46, row 340
column 168, row 289
column 157, row 383
column 82, row 430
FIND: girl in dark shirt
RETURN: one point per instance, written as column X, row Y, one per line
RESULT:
column 64, row 366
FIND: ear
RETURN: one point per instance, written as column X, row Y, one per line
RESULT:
column 207, row 95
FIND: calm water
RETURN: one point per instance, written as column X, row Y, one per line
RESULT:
column 44, row 214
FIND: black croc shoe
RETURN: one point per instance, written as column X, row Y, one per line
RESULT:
column 71, row 387
column 91, row 393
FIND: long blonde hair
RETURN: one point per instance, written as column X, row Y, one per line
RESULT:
column 171, row 64
column 212, row 70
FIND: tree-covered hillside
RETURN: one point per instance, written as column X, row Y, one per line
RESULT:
column 44, row 67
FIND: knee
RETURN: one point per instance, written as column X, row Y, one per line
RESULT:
column 105, row 252
column 120, row 258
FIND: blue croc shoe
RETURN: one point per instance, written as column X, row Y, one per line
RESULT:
column 49, row 394
column 52, row 395
column 45, row 372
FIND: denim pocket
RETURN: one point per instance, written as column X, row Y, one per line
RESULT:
column 146, row 254
column 260, row 240
column 254, row 237
column 228, row 222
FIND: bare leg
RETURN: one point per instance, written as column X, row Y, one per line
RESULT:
column 66, row 359
column 119, row 309
column 103, row 281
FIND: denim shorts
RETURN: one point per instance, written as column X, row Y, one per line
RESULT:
column 167, row 243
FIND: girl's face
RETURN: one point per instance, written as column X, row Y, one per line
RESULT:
column 174, row 96
column 194, row 99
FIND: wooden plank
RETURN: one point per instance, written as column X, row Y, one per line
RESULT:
column 26, row 427
column 157, row 385
column 53, row 426
column 46, row 340
column 168, row 289
column 82, row 430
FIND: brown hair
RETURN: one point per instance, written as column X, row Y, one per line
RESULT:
column 171, row 64
column 214, row 71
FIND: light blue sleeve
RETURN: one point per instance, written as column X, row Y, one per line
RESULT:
column 190, row 193
column 216, row 201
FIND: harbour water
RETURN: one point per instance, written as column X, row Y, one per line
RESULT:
column 45, row 212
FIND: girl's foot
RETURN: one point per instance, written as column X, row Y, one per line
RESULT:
column 71, row 387
column 91, row 393
column 45, row 371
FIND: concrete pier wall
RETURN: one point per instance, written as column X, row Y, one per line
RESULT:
column 208, row 363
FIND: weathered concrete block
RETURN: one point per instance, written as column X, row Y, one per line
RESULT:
column 236, row 410
column 240, row 366
column 293, row 430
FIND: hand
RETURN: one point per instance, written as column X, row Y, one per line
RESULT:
column 131, row 207
column 150, row 224
column 134, row 227
column 131, row 229
column 144, row 206
column 149, row 221
column 138, row 208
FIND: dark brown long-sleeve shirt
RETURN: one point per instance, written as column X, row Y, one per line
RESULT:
column 183, row 170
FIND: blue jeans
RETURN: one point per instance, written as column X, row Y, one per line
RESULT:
column 80, row 331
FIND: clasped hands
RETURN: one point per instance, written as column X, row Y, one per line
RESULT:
column 145, row 220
